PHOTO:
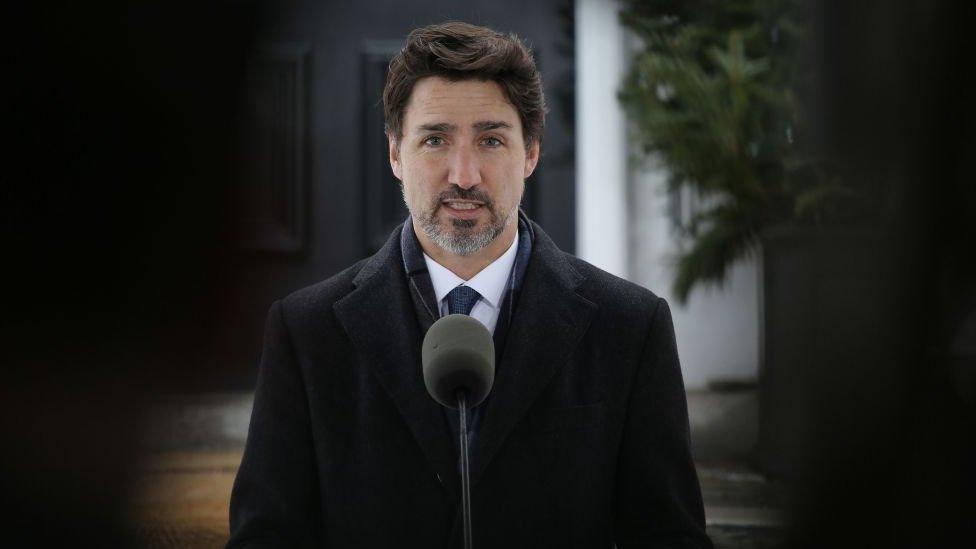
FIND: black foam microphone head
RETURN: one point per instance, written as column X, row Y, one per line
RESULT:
column 458, row 354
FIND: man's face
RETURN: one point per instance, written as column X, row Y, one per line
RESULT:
column 463, row 162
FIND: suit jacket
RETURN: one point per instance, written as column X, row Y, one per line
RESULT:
column 584, row 444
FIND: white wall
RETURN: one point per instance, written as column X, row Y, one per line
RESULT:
column 718, row 329
column 622, row 221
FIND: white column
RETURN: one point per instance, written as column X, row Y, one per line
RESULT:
column 601, row 150
column 717, row 330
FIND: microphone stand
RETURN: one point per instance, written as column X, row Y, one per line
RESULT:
column 465, row 479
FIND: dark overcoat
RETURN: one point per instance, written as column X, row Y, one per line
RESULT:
column 584, row 442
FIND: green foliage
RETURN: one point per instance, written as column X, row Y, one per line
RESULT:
column 714, row 94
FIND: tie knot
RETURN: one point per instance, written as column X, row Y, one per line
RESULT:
column 461, row 300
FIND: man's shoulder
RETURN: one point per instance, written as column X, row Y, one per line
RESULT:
column 323, row 294
column 315, row 303
column 616, row 298
column 611, row 293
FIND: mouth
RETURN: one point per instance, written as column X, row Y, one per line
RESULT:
column 463, row 209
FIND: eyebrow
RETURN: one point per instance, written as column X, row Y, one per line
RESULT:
column 491, row 125
column 482, row 126
column 439, row 127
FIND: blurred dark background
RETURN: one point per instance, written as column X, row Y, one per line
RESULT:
column 174, row 167
column 891, row 438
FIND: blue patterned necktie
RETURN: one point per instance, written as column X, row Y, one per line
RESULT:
column 461, row 300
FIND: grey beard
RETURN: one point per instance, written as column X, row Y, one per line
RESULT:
column 461, row 238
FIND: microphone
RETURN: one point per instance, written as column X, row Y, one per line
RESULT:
column 458, row 354
column 458, row 358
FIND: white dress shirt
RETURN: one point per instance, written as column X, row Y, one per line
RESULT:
column 490, row 283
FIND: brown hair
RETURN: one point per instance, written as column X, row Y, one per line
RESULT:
column 460, row 51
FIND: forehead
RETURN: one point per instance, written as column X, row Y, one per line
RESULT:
column 463, row 102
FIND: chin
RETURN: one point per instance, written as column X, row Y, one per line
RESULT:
column 464, row 223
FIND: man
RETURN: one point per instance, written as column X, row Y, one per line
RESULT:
column 584, row 439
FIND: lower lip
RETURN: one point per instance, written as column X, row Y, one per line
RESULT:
column 463, row 214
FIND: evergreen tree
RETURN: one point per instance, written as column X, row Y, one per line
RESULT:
column 714, row 92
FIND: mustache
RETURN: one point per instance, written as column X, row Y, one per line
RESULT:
column 457, row 193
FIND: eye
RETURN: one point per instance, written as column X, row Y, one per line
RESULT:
column 492, row 142
column 434, row 141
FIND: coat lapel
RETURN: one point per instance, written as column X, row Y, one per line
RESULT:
column 550, row 319
column 378, row 315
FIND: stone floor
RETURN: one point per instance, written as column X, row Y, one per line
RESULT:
column 181, row 499
column 194, row 447
column 743, row 510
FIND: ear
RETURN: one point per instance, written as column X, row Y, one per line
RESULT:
column 395, row 157
column 531, row 159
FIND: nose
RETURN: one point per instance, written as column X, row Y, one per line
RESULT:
column 464, row 167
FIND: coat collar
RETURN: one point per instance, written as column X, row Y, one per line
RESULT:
column 548, row 323
column 378, row 317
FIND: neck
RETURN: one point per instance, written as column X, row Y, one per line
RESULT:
column 466, row 266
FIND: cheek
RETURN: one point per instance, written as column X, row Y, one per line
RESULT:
column 419, row 182
column 510, row 183
column 425, row 170
column 414, row 193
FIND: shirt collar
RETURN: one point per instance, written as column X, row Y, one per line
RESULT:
column 490, row 282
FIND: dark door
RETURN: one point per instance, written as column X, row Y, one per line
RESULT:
column 317, row 191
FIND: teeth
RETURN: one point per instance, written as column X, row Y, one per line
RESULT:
column 463, row 205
